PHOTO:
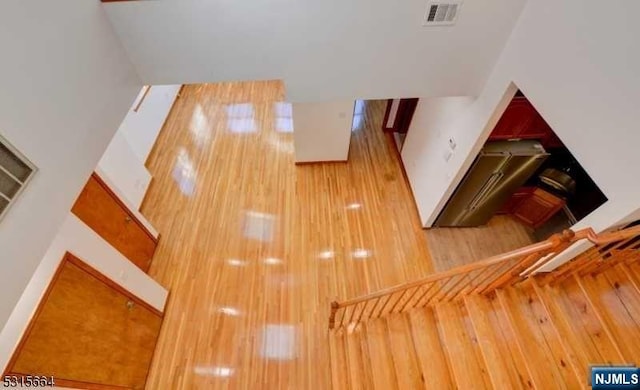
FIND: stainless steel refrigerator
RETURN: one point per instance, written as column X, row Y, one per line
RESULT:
column 498, row 171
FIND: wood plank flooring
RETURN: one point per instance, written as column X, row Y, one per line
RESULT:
column 453, row 247
column 254, row 248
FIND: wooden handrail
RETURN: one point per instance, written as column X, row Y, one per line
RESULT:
column 490, row 274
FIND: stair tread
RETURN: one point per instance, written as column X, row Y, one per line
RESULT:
column 403, row 352
column 431, row 355
column 339, row 372
column 572, row 330
column 463, row 353
column 573, row 301
column 382, row 367
column 357, row 369
column 625, row 288
column 497, row 355
column 545, row 359
column 614, row 315
column 556, row 328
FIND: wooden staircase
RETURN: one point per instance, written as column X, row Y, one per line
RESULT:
column 535, row 331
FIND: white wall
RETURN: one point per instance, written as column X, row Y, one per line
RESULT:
column 125, row 170
column 77, row 238
column 66, row 85
column 322, row 131
column 423, row 153
column 324, row 50
column 141, row 128
column 124, row 160
column 580, row 72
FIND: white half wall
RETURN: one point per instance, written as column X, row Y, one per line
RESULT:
column 127, row 174
column 580, row 72
column 67, row 83
column 322, row 131
column 77, row 238
column 323, row 50
column 141, row 128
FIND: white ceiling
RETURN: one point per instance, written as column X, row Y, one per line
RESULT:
column 324, row 50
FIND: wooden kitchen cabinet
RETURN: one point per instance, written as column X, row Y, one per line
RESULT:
column 521, row 194
column 515, row 120
column 521, row 121
column 106, row 214
column 538, row 207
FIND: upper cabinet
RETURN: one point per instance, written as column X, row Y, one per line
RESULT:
column 521, row 121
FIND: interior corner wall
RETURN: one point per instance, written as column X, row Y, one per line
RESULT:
column 66, row 86
column 580, row 72
column 322, row 131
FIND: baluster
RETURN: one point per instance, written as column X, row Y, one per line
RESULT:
column 409, row 299
column 426, row 291
column 362, row 312
column 332, row 318
column 373, row 310
column 398, row 301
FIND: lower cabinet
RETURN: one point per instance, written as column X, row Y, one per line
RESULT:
column 88, row 332
column 106, row 214
column 535, row 209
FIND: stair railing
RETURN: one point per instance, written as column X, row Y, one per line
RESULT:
column 481, row 277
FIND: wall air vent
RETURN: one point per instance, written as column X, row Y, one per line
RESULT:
column 442, row 13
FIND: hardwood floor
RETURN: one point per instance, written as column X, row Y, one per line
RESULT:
column 453, row 247
column 254, row 248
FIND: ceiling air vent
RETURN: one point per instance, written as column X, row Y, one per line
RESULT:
column 442, row 13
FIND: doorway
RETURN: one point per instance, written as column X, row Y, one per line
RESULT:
column 524, row 179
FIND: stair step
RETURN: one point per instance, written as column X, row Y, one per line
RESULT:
column 497, row 356
column 558, row 327
column 503, row 327
column 462, row 350
column 634, row 279
column 383, row 370
column 581, row 315
column 614, row 315
column 359, row 372
column 339, row 363
column 574, row 334
column 626, row 290
column 537, row 339
column 431, row 355
column 404, row 355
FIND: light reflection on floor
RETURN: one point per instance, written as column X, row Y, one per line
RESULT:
column 240, row 118
column 284, row 117
column 279, row 342
column 184, row 173
column 259, row 226
column 359, row 111
column 216, row 371
column 200, row 127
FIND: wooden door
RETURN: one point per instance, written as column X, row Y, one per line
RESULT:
column 538, row 208
column 88, row 331
column 102, row 211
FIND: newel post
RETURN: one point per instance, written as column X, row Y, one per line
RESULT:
column 332, row 318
